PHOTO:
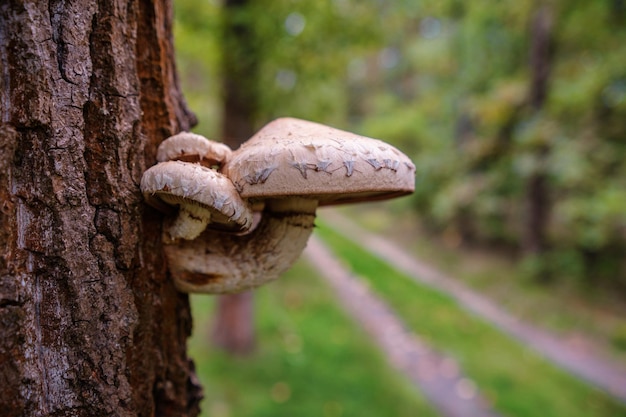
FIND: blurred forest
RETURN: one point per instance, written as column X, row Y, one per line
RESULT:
column 514, row 112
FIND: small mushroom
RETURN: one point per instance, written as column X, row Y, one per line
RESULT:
column 190, row 147
column 203, row 196
column 221, row 263
column 290, row 167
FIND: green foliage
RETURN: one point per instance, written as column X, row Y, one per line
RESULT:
column 196, row 29
column 448, row 82
column 311, row 361
column 619, row 339
column 477, row 141
column 306, row 48
column 303, row 51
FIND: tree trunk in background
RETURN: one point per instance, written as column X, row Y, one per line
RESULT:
column 540, row 56
column 90, row 323
column 537, row 199
column 233, row 329
column 234, row 322
column 239, row 73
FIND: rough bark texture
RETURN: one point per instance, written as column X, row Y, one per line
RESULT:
column 90, row 323
column 234, row 322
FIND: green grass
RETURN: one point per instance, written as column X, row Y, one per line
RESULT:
column 311, row 360
column 592, row 315
column 516, row 380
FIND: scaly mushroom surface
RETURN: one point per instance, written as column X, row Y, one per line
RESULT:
column 203, row 196
column 297, row 157
column 290, row 167
column 219, row 263
column 190, row 147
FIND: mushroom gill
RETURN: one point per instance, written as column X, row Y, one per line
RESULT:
column 219, row 263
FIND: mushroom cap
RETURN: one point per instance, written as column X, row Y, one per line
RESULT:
column 291, row 157
column 178, row 183
column 190, row 147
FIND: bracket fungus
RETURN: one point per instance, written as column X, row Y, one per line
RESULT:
column 286, row 170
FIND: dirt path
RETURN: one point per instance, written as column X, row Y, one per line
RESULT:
column 604, row 374
column 437, row 376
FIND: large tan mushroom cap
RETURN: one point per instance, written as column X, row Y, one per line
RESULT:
column 189, row 147
column 182, row 183
column 291, row 157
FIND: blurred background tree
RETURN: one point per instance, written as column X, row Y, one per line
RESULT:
column 514, row 111
column 517, row 128
column 234, row 322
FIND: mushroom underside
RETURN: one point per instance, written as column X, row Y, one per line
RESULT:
column 222, row 263
column 287, row 169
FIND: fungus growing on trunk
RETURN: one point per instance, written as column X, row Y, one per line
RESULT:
column 290, row 167
column 190, row 147
column 201, row 194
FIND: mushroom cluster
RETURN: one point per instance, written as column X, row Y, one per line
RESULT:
column 245, row 216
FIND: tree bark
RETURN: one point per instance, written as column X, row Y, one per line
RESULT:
column 90, row 323
column 234, row 322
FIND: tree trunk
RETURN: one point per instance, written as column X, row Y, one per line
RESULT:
column 537, row 200
column 540, row 56
column 239, row 73
column 90, row 323
column 234, row 322
column 233, row 329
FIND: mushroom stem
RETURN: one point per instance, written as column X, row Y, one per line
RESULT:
column 292, row 205
column 219, row 263
column 190, row 222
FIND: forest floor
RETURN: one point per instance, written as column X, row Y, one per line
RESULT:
column 580, row 359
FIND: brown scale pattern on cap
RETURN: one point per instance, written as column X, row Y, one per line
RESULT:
column 190, row 147
column 295, row 157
